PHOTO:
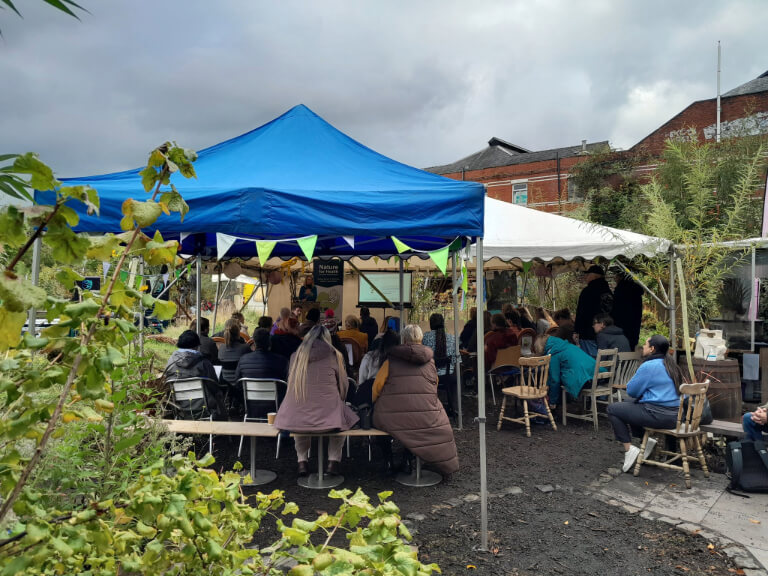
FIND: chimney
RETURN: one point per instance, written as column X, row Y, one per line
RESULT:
column 583, row 146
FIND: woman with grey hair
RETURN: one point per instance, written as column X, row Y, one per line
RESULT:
column 314, row 402
column 407, row 406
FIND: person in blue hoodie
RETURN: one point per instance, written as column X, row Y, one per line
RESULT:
column 655, row 398
column 569, row 367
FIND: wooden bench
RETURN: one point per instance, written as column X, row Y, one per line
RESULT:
column 723, row 428
column 251, row 429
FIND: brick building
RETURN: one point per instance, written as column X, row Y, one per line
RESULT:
column 541, row 179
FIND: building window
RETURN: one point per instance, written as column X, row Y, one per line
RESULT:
column 574, row 194
column 520, row 193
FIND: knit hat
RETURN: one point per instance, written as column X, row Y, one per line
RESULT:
column 188, row 340
column 595, row 269
column 330, row 313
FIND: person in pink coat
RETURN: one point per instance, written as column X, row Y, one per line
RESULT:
column 314, row 402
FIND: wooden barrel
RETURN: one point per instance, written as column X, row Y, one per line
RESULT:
column 724, row 387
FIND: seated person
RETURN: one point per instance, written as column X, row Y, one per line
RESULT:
column 223, row 333
column 512, row 317
column 499, row 337
column 444, row 348
column 208, row 347
column 265, row 322
column 352, row 331
column 329, row 321
column 286, row 343
column 526, row 320
column 407, row 406
column 543, row 321
column 373, row 360
column 756, row 423
column 314, row 402
column 308, row 292
column 468, row 336
column 261, row 363
column 565, row 325
column 569, row 367
column 241, row 320
column 368, row 325
column 608, row 335
column 283, row 324
column 312, row 319
column 188, row 362
column 655, row 392
column 230, row 353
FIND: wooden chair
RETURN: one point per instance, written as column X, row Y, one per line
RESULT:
column 626, row 366
column 533, row 386
column 602, row 385
column 506, row 364
column 354, row 355
column 219, row 340
column 686, row 429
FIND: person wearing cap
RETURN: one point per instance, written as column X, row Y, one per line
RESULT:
column 188, row 362
column 595, row 298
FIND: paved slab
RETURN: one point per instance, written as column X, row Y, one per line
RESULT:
column 658, row 492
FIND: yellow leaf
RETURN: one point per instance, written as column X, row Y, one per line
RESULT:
column 471, row 567
column 68, row 417
column 754, row 521
column 566, row 522
column 710, row 546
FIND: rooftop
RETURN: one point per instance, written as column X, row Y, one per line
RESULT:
column 759, row 84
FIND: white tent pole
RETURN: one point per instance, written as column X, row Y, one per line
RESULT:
column 32, row 320
column 481, row 397
column 457, row 368
column 198, row 289
column 673, row 302
column 752, row 301
column 216, row 302
column 402, row 308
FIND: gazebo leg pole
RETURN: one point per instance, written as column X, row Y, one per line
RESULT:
column 457, row 368
column 481, row 397
column 402, row 308
column 198, row 289
column 673, row 302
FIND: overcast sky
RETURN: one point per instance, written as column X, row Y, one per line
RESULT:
column 425, row 82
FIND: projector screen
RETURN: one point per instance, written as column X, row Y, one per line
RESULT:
column 388, row 283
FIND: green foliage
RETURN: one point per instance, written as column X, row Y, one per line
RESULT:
column 703, row 194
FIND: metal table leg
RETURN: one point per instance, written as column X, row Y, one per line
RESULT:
column 258, row 477
column 321, row 480
column 419, row 478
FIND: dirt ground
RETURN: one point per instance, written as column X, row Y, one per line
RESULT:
column 532, row 530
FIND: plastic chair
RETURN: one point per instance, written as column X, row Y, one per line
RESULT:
column 687, row 428
column 506, row 364
column 257, row 392
column 626, row 366
column 533, row 386
column 190, row 401
column 602, row 385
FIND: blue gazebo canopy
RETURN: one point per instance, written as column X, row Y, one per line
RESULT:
column 298, row 176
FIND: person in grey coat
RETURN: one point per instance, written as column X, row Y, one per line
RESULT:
column 608, row 335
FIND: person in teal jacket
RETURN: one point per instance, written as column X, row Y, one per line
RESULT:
column 654, row 393
column 569, row 366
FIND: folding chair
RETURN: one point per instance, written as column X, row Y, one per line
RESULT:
column 627, row 365
column 256, row 393
column 190, row 401
column 602, row 385
column 687, row 428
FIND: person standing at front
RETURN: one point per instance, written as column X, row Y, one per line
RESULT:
column 596, row 297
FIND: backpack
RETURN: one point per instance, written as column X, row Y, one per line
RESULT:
column 747, row 462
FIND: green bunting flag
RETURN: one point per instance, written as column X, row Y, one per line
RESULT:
column 440, row 258
column 401, row 246
column 307, row 245
column 264, row 249
column 138, row 282
column 123, row 276
column 178, row 273
column 189, row 270
column 464, row 278
column 527, row 267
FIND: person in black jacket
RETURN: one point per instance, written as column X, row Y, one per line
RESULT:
column 368, row 325
column 208, row 347
column 188, row 362
column 262, row 363
column 608, row 335
column 628, row 307
column 595, row 298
